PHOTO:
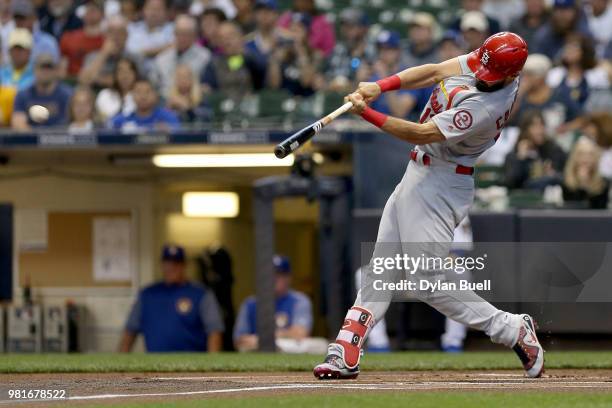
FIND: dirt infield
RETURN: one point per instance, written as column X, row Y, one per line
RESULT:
column 86, row 389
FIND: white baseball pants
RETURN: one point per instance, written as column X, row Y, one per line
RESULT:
column 425, row 208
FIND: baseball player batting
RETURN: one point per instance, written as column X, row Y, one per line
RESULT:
column 468, row 108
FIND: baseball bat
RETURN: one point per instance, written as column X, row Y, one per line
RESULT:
column 293, row 142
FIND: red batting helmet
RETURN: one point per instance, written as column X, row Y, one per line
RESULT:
column 501, row 56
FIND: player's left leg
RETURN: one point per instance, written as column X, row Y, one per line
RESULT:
column 446, row 200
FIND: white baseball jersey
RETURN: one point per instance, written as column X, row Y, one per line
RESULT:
column 470, row 120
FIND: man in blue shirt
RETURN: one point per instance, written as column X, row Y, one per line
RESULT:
column 293, row 311
column 175, row 314
column 262, row 41
column 567, row 17
column 45, row 102
column 148, row 115
column 399, row 103
column 561, row 113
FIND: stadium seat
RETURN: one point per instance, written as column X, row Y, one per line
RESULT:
column 487, row 176
column 326, row 102
column 525, row 199
column 273, row 104
column 220, row 105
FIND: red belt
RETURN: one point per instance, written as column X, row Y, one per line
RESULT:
column 468, row 171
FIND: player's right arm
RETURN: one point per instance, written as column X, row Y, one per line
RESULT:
column 422, row 76
column 453, row 126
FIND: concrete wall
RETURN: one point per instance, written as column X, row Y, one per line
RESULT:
column 106, row 307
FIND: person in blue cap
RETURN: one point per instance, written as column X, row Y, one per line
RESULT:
column 262, row 41
column 399, row 103
column 566, row 18
column 293, row 311
column 174, row 314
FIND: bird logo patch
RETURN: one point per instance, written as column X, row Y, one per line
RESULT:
column 184, row 305
column 485, row 58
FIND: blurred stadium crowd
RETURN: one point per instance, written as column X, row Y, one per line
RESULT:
column 155, row 64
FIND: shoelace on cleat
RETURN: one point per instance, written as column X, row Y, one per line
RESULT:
column 334, row 360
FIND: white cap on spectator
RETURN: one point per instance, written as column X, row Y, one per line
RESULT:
column 474, row 20
column 537, row 64
column 20, row 37
column 423, row 19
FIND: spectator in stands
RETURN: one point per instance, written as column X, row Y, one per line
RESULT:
column 474, row 6
column 245, row 15
column 130, row 10
column 148, row 113
column 599, row 128
column 7, row 24
column 600, row 100
column 537, row 161
column 451, row 46
column 236, row 71
column 184, row 51
column 58, row 17
column 46, row 91
column 18, row 72
column 7, row 100
column 76, row 44
column 599, row 16
column 263, row 39
column 199, row 7
column 152, row 35
column 24, row 16
column 185, row 94
column 398, row 103
column 505, row 11
column 81, row 111
column 99, row 68
column 293, row 314
column 536, row 15
column 177, row 7
column 353, row 55
column 583, row 185
column 421, row 47
column 565, row 19
column 294, row 65
column 7, row 89
column 210, row 21
column 560, row 111
column 474, row 28
column 175, row 314
column 578, row 74
column 118, row 98
column 322, row 35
